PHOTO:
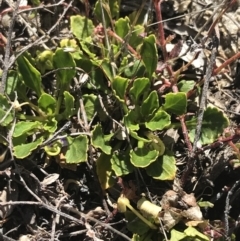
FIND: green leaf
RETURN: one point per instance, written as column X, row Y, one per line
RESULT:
column 150, row 104
column 104, row 171
column 21, row 88
column 132, row 68
column 140, row 88
column 122, row 27
column 136, row 225
column 164, row 168
column 20, row 139
column 81, row 26
column 30, row 75
column 156, row 143
column 186, row 85
column 110, row 9
column 160, row 120
column 119, row 86
column 137, row 137
column 77, row 149
column 11, row 83
column 193, row 233
column 24, row 150
column 136, row 36
column 131, row 120
column 95, row 72
column 90, row 105
column 50, row 125
column 176, row 103
column 177, row 236
column 53, row 149
column 98, row 140
column 149, row 54
column 47, row 103
column 121, row 164
column 69, row 105
column 143, row 157
column 44, row 61
column 214, row 122
column 72, row 46
column 61, row 61
column 205, row 204
column 23, row 127
column 87, row 45
column 4, row 111
column 107, row 69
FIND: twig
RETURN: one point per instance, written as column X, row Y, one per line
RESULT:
column 71, row 209
column 54, row 221
column 7, row 64
column 210, row 19
column 98, row 222
column 227, row 206
column 48, row 207
column 54, row 136
column 226, row 63
column 204, row 99
column 182, row 16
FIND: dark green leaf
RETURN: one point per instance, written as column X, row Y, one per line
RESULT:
column 149, row 54
column 140, row 88
column 214, row 122
column 119, row 85
column 176, row 103
column 104, row 171
column 98, row 140
column 11, row 82
column 150, row 104
column 25, row 150
column 77, row 150
column 47, row 103
column 63, row 61
column 164, row 168
column 160, row 120
column 6, row 117
column 69, row 105
column 30, row 75
column 143, row 157
column 121, row 164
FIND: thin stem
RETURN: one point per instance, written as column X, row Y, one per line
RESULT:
column 7, row 64
column 162, row 41
column 203, row 99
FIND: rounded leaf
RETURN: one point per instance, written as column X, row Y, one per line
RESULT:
column 160, row 120
column 143, row 157
column 164, row 168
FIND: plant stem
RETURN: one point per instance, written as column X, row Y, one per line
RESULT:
column 31, row 118
column 226, row 63
column 162, row 42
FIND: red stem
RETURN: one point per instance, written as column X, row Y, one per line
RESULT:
column 226, row 63
column 162, row 41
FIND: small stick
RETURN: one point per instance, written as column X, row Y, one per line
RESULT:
column 227, row 207
column 7, row 57
column 53, row 137
column 204, row 98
